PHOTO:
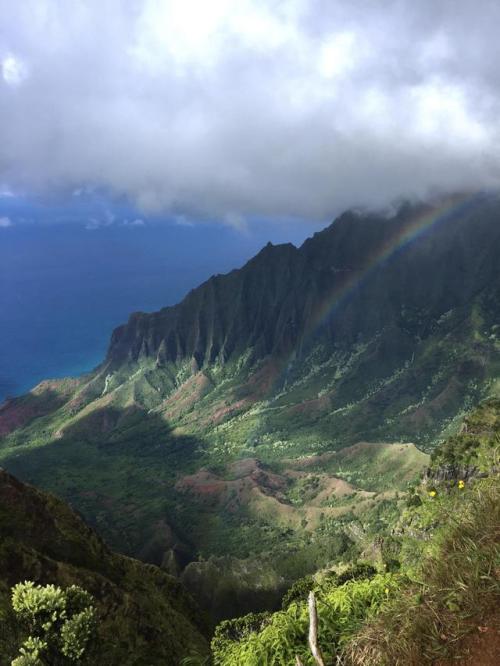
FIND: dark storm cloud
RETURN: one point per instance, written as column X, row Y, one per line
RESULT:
column 229, row 109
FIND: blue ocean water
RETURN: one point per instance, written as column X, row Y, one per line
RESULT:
column 63, row 288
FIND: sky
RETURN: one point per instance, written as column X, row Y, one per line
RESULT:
column 236, row 110
column 64, row 287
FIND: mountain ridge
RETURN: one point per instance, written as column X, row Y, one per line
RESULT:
column 144, row 615
column 375, row 330
column 284, row 269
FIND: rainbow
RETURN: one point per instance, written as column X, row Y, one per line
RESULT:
column 404, row 235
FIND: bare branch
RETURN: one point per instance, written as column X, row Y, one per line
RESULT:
column 313, row 630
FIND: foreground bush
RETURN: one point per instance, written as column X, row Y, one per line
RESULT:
column 283, row 635
column 60, row 623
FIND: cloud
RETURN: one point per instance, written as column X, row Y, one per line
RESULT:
column 13, row 70
column 93, row 224
column 183, row 221
column 134, row 223
column 236, row 221
column 105, row 220
column 230, row 109
column 5, row 193
column 5, row 223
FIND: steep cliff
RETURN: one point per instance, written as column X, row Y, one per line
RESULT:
column 378, row 330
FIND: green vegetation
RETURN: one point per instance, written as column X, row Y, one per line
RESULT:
column 421, row 573
column 59, row 623
column 439, row 562
column 341, row 612
column 477, row 446
column 143, row 616
column 453, row 589
column 150, row 504
column 237, row 445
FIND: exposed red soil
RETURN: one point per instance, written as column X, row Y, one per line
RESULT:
column 480, row 648
column 182, row 401
column 248, row 476
column 263, row 381
column 257, row 387
column 426, row 414
column 222, row 411
column 249, row 483
column 337, row 487
column 17, row 413
column 46, row 397
column 186, row 396
column 14, row 415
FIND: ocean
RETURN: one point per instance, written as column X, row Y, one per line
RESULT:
column 63, row 288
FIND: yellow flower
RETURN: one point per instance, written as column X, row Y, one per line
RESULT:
column 432, row 493
column 387, row 591
column 461, row 484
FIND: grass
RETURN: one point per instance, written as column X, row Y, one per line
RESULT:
column 448, row 586
column 123, row 481
column 437, row 550
column 454, row 589
column 117, row 456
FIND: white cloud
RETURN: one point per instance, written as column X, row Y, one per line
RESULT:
column 105, row 220
column 183, row 221
column 236, row 221
column 231, row 109
column 93, row 224
column 134, row 223
column 339, row 54
column 5, row 222
column 14, row 71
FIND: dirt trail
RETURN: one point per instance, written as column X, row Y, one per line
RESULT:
column 481, row 648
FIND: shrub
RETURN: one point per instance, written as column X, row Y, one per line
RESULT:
column 341, row 612
column 60, row 623
column 298, row 591
column 357, row 572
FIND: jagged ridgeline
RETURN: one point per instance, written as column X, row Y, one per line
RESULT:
column 241, row 437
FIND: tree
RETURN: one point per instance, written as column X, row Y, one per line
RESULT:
column 60, row 623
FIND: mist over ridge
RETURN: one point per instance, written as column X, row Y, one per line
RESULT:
column 298, row 108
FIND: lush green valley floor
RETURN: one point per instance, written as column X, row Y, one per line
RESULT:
column 418, row 578
column 259, row 429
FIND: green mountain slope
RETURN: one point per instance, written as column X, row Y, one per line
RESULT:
column 215, row 428
column 144, row 616
column 440, row 595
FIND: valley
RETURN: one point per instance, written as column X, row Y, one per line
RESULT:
column 266, row 420
column 249, row 333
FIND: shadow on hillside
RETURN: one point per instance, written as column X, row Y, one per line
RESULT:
column 118, row 468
